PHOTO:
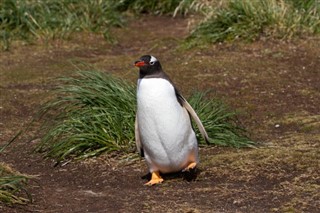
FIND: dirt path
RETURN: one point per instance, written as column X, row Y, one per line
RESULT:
column 276, row 84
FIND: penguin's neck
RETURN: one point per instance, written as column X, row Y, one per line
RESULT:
column 151, row 74
column 159, row 73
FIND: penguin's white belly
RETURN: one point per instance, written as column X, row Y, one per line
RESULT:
column 167, row 137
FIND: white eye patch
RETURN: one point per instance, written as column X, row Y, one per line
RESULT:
column 152, row 60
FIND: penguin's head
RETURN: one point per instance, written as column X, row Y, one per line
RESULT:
column 148, row 65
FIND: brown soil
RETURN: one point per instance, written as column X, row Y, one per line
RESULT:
column 275, row 85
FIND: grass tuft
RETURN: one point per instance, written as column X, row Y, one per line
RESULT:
column 12, row 183
column 12, row 186
column 219, row 121
column 250, row 20
column 149, row 7
column 52, row 19
column 94, row 113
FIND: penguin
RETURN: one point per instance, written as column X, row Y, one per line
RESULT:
column 163, row 130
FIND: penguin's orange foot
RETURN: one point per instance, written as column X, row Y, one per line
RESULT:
column 191, row 166
column 155, row 179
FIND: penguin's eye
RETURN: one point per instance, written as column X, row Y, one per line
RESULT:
column 151, row 63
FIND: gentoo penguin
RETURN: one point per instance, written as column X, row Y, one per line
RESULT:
column 163, row 130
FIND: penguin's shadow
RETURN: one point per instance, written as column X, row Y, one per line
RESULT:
column 188, row 176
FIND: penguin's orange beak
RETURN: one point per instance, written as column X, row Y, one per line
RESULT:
column 139, row 63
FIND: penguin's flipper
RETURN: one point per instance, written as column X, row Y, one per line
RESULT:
column 194, row 116
column 137, row 137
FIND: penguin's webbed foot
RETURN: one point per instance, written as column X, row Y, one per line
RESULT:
column 155, row 179
column 191, row 166
column 190, row 173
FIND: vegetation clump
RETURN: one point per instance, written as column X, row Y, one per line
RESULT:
column 54, row 19
column 46, row 20
column 12, row 186
column 252, row 19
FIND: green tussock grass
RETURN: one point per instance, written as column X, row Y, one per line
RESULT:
column 53, row 19
column 220, row 122
column 46, row 20
column 150, row 7
column 12, row 186
column 252, row 19
column 12, row 183
column 94, row 113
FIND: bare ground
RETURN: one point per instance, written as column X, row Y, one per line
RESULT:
column 274, row 84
